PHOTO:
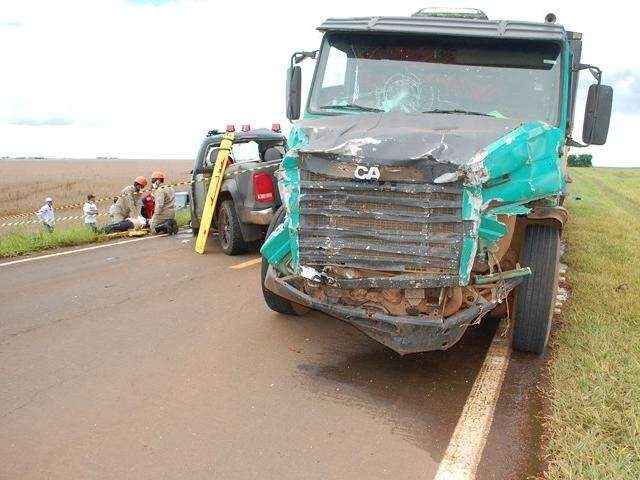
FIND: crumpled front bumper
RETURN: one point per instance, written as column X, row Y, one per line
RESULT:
column 404, row 334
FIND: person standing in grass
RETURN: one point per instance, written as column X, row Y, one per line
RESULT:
column 90, row 211
column 46, row 215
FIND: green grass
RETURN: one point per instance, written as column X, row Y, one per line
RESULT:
column 594, row 423
column 24, row 243
column 183, row 217
column 15, row 244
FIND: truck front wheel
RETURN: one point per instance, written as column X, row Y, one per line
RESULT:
column 273, row 301
column 536, row 295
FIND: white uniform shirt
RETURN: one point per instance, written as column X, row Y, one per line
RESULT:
column 90, row 210
column 112, row 211
column 46, row 215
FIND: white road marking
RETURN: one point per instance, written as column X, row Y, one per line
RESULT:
column 464, row 452
column 78, row 250
column 248, row 263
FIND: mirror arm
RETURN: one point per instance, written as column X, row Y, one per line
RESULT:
column 574, row 143
column 595, row 71
column 298, row 57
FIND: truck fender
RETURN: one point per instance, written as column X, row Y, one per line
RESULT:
column 250, row 233
column 556, row 215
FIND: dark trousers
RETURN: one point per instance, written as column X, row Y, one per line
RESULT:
column 168, row 226
column 122, row 226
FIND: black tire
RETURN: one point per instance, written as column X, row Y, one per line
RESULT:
column 536, row 295
column 273, row 301
column 229, row 232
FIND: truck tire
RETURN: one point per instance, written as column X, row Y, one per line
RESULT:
column 273, row 301
column 536, row 295
column 229, row 231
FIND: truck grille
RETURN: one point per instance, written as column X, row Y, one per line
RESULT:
column 395, row 227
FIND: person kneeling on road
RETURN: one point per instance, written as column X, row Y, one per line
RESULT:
column 164, row 213
column 129, row 203
column 126, row 211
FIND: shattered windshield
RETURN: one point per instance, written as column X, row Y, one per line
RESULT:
column 517, row 79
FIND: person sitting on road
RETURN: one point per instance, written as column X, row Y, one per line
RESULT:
column 164, row 214
column 90, row 211
column 129, row 201
column 47, row 215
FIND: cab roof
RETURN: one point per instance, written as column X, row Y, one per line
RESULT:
column 431, row 25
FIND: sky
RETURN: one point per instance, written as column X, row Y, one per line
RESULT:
column 148, row 78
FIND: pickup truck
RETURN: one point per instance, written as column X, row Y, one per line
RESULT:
column 248, row 197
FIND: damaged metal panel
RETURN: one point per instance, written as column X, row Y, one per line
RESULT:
column 528, row 160
column 438, row 177
column 394, row 138
column 275, row 248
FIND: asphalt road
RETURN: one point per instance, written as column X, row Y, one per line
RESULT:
column 146, row 360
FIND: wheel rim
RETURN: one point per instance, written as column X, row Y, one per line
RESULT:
column 225, row 234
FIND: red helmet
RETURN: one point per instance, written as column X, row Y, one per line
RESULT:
column 141, row 181
column 158, row 175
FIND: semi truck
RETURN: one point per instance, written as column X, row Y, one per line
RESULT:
column 423, row 187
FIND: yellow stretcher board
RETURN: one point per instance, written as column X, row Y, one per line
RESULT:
column 214, row 189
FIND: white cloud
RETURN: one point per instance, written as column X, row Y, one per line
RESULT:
column 134, row 78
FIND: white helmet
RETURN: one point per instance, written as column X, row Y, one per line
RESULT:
column 48, row 199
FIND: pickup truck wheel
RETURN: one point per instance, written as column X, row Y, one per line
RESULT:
column 229, row 231
column 536, row 295
column 273, row 301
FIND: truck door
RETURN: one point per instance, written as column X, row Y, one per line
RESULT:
column 202, row 176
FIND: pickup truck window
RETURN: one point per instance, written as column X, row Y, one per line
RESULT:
column 517, row 79
column 210, row 156
column 245, row 152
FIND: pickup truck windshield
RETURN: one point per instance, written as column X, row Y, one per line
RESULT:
column 517, row 79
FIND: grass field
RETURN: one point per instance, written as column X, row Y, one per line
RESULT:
column 23, row 243
column 24, row 184
column 594, row 423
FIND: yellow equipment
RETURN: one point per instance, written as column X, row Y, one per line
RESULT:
column 213, row 191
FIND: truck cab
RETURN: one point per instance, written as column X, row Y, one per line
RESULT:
column 423, row 185
column 248, row 196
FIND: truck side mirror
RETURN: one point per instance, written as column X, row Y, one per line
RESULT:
column 597, row 114
column 294, row 92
